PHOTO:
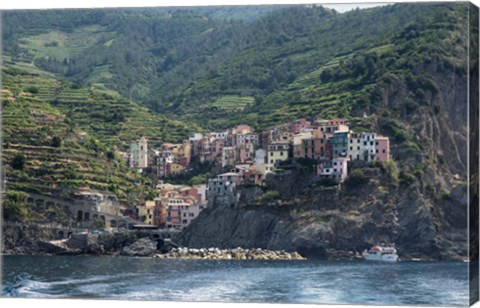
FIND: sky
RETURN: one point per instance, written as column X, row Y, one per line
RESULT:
column 338, row 5
column 342, row 8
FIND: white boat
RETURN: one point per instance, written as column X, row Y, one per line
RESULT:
column 381, row 253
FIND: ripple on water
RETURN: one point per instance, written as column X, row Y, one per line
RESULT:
column 310, row 282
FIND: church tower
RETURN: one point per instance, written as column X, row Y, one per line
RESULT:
column 142, row 153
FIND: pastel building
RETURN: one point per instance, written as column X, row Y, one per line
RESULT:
column 221, row 191
column 299, row 125
column 196, row 146
column 362, row 146
column 145, row 212
column 369, row 150
column 337, row 168
column 330, row 126
column 248, row 138
column 340, row 143
column 189, row 213
column 244, row 152
column 217, row 186
column 133, row 155
column 260, row 156
column 228, row 156
column 277, row 152
column 317, row 148
column 355, row 146
column 233, row 177
column 138, row 156
column 382, row 148
column 298, row 139
column 143, row 153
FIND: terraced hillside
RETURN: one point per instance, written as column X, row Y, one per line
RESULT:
column 59, row 137
column 45, row 152
column 102, row 113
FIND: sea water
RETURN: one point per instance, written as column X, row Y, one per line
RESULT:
column 319, row 282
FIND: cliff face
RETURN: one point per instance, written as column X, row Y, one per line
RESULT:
column 332, row 223
column 420, row 204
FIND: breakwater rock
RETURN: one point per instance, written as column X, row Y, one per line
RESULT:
column 229, row 254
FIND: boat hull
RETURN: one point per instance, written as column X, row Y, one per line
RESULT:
column 382, row 258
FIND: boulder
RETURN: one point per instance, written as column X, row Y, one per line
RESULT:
column 142, row 247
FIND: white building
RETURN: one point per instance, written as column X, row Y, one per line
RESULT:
column 361, row 146
column 333, row 169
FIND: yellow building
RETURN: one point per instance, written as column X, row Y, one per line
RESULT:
column 145, row 212
column 277, row 152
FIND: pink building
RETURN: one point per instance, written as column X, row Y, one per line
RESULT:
column 216, row 147
column 181, row 212
column 382, row 148
column 244, row 152
column 192, row 193
column 299, row 125
column 252, row 177
column 233, row 177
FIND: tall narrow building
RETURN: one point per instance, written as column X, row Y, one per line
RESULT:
column 143, row 153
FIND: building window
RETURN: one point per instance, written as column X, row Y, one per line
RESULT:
column 351, row 148
column 351, row 140
column 364, row 143
column 358, row 148
column 383, row 151
column 376, row 143
column 371, row 142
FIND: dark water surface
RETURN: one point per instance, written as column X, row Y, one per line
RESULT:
column 320, row 282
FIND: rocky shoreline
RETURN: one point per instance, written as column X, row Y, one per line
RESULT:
column 229, row 254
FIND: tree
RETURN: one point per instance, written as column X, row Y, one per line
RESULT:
column 356, row 178
column 15, row 206
column 56, row 142
column 32, row 89
column 326, row 75
column 110, row 155
column 18, row 162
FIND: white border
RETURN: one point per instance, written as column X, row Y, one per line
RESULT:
column 48, row 4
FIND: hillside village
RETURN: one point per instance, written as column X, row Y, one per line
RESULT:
column 248, row 157
column 88, row 106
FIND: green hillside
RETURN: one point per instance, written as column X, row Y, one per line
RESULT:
column 59, row 137
column 45, row 152
column 114, row 75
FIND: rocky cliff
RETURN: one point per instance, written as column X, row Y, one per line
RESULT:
column 34, row 239
column 332, row 223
